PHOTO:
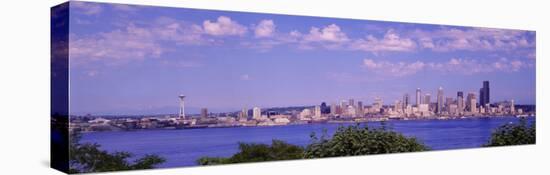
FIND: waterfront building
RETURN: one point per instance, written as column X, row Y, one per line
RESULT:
column 256, row 113
column 405, row 101
column 453, row 109
column 351, row 111
column 351, row 102
column 512, row 107
column 360, row 110
column 324, row 108
column 423, row 108
column 333, row 109
column 460, row 102
column 244, row 114
column 427, row 99
column 317, row 112
column 418, row 97
column 472, row 102
column 182, row 107
column 448, row 102
column 398, row 106
column 484, row 94
column 305, row 114
column 204, row 113
column 343, row 104
column 439, row 108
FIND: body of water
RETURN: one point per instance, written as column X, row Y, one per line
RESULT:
column 184, row 147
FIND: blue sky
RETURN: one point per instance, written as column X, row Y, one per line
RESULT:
column 137, row 59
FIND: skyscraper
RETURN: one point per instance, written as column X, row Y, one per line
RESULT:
column 324, row 108
column 360, row 109
column 427, row 98
column 484, row 97
column 351, row 102
column 317, row 112
column 439, row 108
column 256, row 113
column 333, row 109
column 471, row 102
column 460, row 102
column 418, row 97
column 204, row 113
column 405, row 100
column 182, row 107
column 244, row 114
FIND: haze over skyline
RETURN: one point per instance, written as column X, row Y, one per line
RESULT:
column 138, row 59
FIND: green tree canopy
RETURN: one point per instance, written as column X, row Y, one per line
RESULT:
column 513, row 134
column 347, row 141
column 357, row 140
column 253, row 152
column 88, row 157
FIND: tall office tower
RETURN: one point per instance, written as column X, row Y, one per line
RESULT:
column 333, row 109
column 471, row 102
column 343, row 105
column 448, row 102
column 460, row 102
column 351, row 102
column 418, row 97
column 256, row 113
column 484, row 92
column 360, row 109
column 204, row 113
column 244, row 113
column 405, row 101
column 182, row 107
column 324, row 108
column 439, row 108
column 512, row 107
column 427, row 98
column 317, row 112
column 398, row 106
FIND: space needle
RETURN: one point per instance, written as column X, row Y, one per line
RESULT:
column 182, row 107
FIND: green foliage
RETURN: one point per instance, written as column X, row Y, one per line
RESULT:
column 513, row 134
column 356, row 140
column 252, row 152
column 89, row 157
column 347, row 141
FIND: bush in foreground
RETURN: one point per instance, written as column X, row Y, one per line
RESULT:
column 356, row 140
column 347, row 141
column 252, row 152
column 88, row 157
column 513, row 134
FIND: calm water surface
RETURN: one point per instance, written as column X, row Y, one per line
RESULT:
column 184, row 147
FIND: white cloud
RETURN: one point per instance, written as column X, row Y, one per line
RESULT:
column 125, row 8
column 330, row 33
column 452, row 66
column 390, row 42
column 131, row 43
column 134, row 42
column 86, row 8
column 472, row 39
column 223, row 26
column 398, row 69
column 266, row 28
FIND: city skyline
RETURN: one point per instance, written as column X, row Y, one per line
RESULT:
column 123, row 62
